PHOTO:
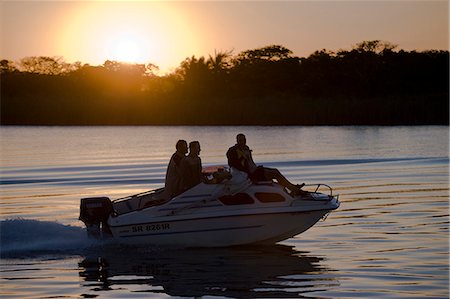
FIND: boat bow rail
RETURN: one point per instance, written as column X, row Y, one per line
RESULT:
column 318, row 186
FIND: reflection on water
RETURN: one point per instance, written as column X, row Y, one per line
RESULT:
column 389, row 238
column 239, row 272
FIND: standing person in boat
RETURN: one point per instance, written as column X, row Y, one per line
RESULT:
column 173, row 185
column 240, row 157
column 191, row 167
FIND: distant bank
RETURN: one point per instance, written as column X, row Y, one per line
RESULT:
column 372, row 84
column 432, row 110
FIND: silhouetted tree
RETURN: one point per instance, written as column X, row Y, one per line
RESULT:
column 270, row 69
column 268, row 53
column 7, row 66
column 44, row 65
column 374, row 46
column 220, row 62
column 371, row 83
column 195, row 79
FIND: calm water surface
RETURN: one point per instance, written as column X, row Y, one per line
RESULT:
column 389, row 238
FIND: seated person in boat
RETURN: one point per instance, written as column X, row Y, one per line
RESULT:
column 191, row 167
column 240, row 157
column 173, row 185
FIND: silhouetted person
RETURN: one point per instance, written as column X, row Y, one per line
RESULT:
column 240, row 157
column 173, row 185
column 191, row 167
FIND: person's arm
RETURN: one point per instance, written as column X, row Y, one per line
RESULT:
column 233, row 160
column 204, row 176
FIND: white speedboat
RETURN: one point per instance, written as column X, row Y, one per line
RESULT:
column 232, row 212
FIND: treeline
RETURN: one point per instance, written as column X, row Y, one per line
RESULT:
column 371, row 84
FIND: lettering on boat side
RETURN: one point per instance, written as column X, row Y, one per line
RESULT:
column 150, row 227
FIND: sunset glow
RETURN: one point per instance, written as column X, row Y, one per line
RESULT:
column 127, row 49
column 166, row 32
column 128, row 33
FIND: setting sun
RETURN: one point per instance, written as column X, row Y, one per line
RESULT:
column 129, row 33
column 127, row 49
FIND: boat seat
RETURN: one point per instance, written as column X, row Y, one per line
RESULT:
column 139, row 202
column 125, row 206
column 154, row 202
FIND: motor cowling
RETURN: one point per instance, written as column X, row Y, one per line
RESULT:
column 94, row 212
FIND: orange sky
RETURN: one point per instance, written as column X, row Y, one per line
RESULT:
column 166, row 32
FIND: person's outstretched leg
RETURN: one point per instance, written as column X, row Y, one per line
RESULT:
column 273, row 173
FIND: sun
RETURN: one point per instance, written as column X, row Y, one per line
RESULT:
column 127, row 48
column 157, row 32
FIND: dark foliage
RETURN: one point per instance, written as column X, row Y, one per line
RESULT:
column 372, row 84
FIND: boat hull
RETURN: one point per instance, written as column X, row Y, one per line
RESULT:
column 268, row 228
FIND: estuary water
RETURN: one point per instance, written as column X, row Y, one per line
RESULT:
column 389, row 238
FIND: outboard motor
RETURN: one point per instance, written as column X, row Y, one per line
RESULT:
column 94, row 212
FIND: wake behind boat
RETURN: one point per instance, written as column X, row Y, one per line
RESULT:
column 232, row 211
